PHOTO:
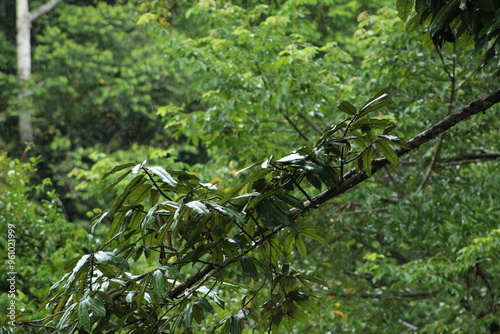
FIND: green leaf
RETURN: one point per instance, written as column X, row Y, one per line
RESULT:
column 288, row 242
column 83, row 315
column 164, row 176
column 205, row 305
column 158, row 283
column 300, row 245
column 404, row 8
column 374, row 102
column 347, row 108
column 289, row 199
column 310, row 306
column 236, row 323
column 299, row 315
column 198, row 314
column 384, row 147
column 396, row 140
column 188, row 317
column 120, row 200
column 112, row 185
column 198, row 207
column 310, row 232
column 97, row 307
column 366, row 158
column 107, row 257
column 314, row 179
column 65, row 317
column 329, row 177
column 139, row 193
column 374, row 105
column 273, row 211
column 445, row 15
column 248, row 267
column 303, row 278
column 291, row 157
column 117, row 169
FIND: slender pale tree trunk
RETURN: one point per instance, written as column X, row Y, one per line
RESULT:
column 24, row 19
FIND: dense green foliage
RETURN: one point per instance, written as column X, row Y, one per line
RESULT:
column 44, row 241
column 200, row 136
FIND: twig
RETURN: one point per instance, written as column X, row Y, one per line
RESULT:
column 302, row 134
column 156, row 185
column 435, row 156
column 310, row 123
column 431, row 165
column 411, row 296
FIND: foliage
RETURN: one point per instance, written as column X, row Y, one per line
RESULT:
column 44, row 241
column 200, row 247
column 451, row 20
column 175, row 221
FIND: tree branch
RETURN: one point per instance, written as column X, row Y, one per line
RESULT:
column 411, row 296
column 352, row 179
column 43, row 9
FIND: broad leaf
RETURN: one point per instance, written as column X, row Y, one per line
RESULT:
column 164, row 176
column 384, row 147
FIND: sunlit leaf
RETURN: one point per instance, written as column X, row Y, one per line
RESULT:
column 164, row 176
column 291, row 157
column 199, row 207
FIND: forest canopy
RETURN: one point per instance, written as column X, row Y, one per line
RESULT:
column 286, row 166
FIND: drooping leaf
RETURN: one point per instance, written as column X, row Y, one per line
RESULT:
column 314, row 179
column 139, row 193
column 117, row 169
column 367, row 160
column 138, row 167
column 66, row 316
column 374, row 105
column 347, row 108
column 299, row 315
column 120, row 200
column 164, row 176
column 289, row 199
column 198, row 207
column 248, row 267
column 112, row 185
column 384, row 147
column 291, row 157
column 404, row 8
column 300, row 245
column 83, row 315
column 158, row 283
column 205, row 305
column 97, row 307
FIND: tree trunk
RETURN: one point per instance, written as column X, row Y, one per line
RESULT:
column 23, row 25
column 24, row 19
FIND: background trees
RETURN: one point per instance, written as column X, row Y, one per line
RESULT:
column 210, row 88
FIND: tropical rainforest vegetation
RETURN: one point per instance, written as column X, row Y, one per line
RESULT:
column 285, row 166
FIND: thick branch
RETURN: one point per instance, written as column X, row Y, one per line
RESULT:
column 43, row 9
column 191, row 281
column 352, row 179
